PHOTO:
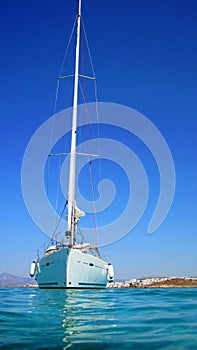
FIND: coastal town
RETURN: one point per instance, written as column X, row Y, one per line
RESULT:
column 157, row 282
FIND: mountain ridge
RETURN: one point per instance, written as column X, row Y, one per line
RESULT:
column 8, row 279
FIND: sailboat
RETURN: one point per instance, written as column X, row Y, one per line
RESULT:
column 72, row 265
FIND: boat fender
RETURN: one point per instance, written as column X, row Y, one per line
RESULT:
column 110, row 270
column 33, row 268
column 38, row 267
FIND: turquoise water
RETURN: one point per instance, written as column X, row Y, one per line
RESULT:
column 105, row 319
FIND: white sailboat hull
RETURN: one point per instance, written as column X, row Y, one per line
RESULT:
column 71, row 268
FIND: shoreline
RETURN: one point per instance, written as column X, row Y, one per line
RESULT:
column 149, row 282
column 157, row 282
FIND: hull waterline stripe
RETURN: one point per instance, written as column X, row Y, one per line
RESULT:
column 48, row 284
column 91, row 284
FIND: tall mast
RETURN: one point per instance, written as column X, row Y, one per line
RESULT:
column 71, row 188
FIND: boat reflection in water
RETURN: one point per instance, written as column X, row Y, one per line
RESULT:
column 69, row 318
column 87, row 317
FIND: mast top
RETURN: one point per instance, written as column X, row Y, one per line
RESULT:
column 79, row 8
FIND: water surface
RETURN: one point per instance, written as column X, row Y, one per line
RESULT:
column 98, row 319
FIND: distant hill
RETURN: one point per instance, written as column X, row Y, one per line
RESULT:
column 6, row 279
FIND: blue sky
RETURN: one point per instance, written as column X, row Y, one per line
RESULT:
column 144, row 55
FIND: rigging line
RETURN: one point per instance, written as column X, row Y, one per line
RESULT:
column 83, row 92
column 98, row 129
column 95, row 91
column 96, row 240
column 83, row 71
column 59, row 220
column 67, row 48
column 51, row 133
column 62, row 65
column 57, row 190
column 82, row 236
column 96, row 95
column 99, row 142
column 55, row 109
column 93, row 204
column 58, row 184
column 88, row 48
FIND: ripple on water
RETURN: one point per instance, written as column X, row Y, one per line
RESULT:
column 105, row 319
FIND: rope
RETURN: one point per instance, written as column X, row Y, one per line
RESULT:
column 67, row 48
column 83, row 92
column 59, row 221
column 53, row 122
column 95, row 94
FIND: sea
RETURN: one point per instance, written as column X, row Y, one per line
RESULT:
column 32, row 318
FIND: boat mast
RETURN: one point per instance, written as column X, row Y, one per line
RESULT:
column 71, row 188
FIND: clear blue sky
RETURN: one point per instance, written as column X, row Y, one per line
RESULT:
column 144, row 55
